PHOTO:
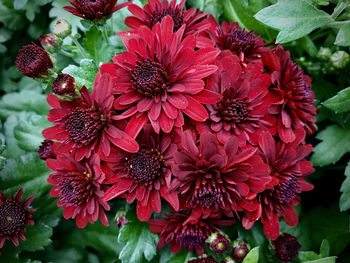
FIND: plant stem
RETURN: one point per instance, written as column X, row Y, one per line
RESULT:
column 80, row 48
column 105, row 33
column 66, row 53
column 338, row 9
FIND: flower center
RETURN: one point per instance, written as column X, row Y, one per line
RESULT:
column 85, row 125
column 287, row 190
column 206, row 196
column 144, row 167
column 191, row 239
column 301, row 91
column 75, row 188
column 232, row 109
column 237, row 41
column 12, row 218
column 149, row 78
column 176, row 14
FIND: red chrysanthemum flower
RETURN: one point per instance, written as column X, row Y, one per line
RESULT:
column 288, row 169
column 94, row 9
column 78, row 186
column 160, row 77
column 145, row 175
column 212, row 178
column 180, row 232
column 247, row 46
column 64, row 84
column 46, row 151
column 85, row 124
column 242, row 111
column 34, row 62
column 14, row 214
column 286, row 247
column 294, row 108
column 153, row 13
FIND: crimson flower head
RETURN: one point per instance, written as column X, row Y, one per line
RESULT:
column 78, row 186
column 153, row 13
column 34, row 62
column 146, row 174
column 85, row 124
column 160, row 77
column 179, row 232
column 294, row 108
column 94, row 9
column 286, row 247
column 242, row 111
column 64, row 84
column 214, row 178
column 288, row 170
column 14, row 214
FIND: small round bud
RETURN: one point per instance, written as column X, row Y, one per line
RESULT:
column 340, row 59
column 228, row 260
column 240, row 250
column 62, row 28
column 218, row 242
column 286, row 247
column 64, row 84
column 46, row 151
column 50, row 42
column 324, row 53
column 203, row 259
column 120, row 219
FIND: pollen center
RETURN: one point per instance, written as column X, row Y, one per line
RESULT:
column 149, row 78
column 84, row 125
column 176, row 14
column 237, row 41
column 287, row 190
column 144, row 167
column 233, row 110
column 12, row 218
column 191, row 239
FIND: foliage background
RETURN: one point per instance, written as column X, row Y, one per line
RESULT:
column 316, row 32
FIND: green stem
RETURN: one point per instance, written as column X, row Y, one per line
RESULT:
column 105, row 33
column 337, row 24
column 338, row 9
column 66, row 53
column 80, row 48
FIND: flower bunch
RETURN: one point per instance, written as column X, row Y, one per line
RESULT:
column 195, row 118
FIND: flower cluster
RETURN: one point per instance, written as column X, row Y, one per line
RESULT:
column 195, row 116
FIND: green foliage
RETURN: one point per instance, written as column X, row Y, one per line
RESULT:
column 84, row 74
column 212, row 7
column 344, row 202
column 335, row 143
column 343, row 36
column 97, row 46
column 252, row 256
column 294, row 19
column 340, row 102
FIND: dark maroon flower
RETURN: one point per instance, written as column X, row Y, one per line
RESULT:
column 145, row 175
column 203, row 259
column 286, row 247
column 242, row 111
column 155, row 11
column 294, row 108
column 120, row 220
column 14, row 214
column 34, row 62
column 218, row 242
column 239, row 250
column 247, row 46
column 46, row 150
column 160, row 77
column 288, row 170
column 180, row 232
column 85, row 124
column 78, row 186
column 64, row 84
column 50, row 42
column 210, row 177
column 94, row 9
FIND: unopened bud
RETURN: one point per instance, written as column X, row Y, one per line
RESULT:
column 286, row 247
column 120, row 219
column 50, row 42
column 218, row 242
column 240, row 250
column 203, row 259
column 340, row 59
column 62, row 28
column 228, row 260
column 64, row 84
column 324, row 53
column 46, row 151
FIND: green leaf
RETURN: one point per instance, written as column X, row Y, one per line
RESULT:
column 166, row 256
column 83, row 75
column 27, row 171
column 344, row 202
column 242, row 12
column 212, row 7
column 13, row 19
column 324, row 249
column 343, row 35
column 340, row 102
column 335, row 143
column 140, row 242
column 38, row 236
column 294, row 19
column 12, row 149
column 323, row 260
column 252, row 256
column 25, row 100
column 18, row 4
column 28, row 131
column 304, row 256
column 97, row 46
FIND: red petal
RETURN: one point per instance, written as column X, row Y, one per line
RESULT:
column 119, row 188
column 136, row 124
column 144, row 212
column 195, row 110
column 207, row 97
column 271, row 226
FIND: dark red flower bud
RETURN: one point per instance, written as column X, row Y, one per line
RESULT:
column 286, row 247
column 34, row 62
column 240, row 250
column 203, row 259
column 50, row 42
column 120, row 219
column 64, row 84
column 218, row 242
column 228, row 260
column 45, row 150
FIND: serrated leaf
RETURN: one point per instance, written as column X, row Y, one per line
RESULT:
column 252, row 256
column 140, row 242
column 344, row 202
column 28, row 172
column 25, row 100
column 12, row 19
column 335, row 143
column 28, row 131
column 96, row 45
column 12, row 149
column 339, row 102
column 38, row 236
column 323, row 260
column 343, row 35
column 84, row 74
column 294, row 19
